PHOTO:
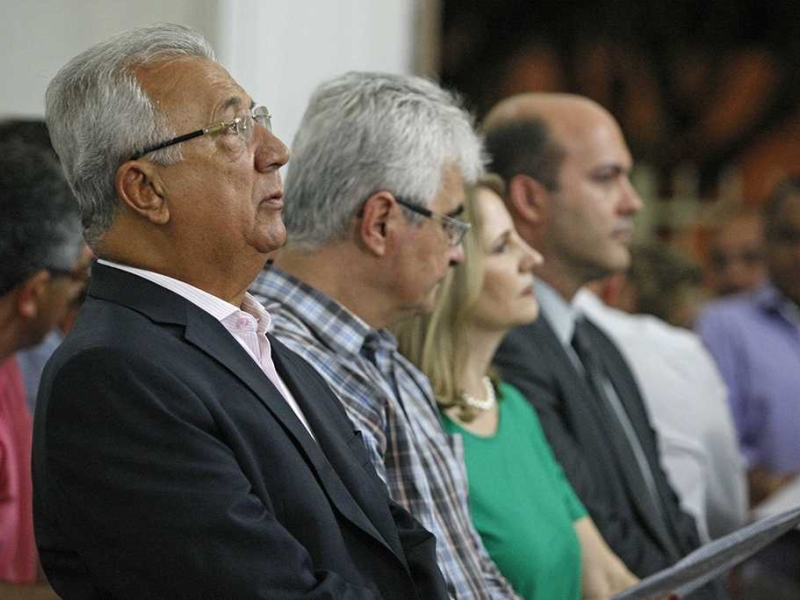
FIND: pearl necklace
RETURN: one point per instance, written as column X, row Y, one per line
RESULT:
column 481, row 404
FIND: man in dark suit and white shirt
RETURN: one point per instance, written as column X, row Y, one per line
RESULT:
column 567, row 167
column 180, row 451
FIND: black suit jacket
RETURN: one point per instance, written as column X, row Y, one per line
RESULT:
column 533, row 359
column 167, row 465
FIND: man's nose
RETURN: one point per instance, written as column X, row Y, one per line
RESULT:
column 456, row 254
column 271, row 152
column 631, row 201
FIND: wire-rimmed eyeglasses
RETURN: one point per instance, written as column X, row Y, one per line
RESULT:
column 242, row 126
column 455, row 229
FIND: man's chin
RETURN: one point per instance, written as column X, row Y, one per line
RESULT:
column 616, row 262
column 272, row 238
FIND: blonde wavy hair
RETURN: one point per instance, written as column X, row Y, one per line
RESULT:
column 436, row 342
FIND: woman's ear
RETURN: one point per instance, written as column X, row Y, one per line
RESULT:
column 140, row 188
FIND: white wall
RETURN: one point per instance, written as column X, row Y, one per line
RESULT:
column 279, row 50
column 39, row 36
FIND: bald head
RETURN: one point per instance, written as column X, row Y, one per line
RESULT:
column 527, row 133
column 547, row 107
column 567, row 165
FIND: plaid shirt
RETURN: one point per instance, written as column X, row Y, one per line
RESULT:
column 391, row 402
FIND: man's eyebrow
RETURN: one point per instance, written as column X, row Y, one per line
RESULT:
column 457, row 211
column 613, row 167
column 232, row 102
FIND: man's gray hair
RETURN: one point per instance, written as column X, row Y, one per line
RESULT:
column 367, row 132
column 98, row 114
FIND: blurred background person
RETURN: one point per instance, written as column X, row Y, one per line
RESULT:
column 684, row 392
column 31, row 131
column 660, row 282
column 31, row 360
column 755, row 340
column 40, row 248
column 533, row 525
column 735, row 261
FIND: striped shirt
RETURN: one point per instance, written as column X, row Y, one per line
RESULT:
column 392, row 403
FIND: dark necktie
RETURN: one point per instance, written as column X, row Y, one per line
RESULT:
column 621, row 434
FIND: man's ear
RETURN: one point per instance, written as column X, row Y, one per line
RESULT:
column 32, row 293
column 378, row 219
column 528, row 200
column 140, row 188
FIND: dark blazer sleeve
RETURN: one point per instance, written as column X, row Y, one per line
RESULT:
column 419, row 544
column 529, row 364
column 114, row 451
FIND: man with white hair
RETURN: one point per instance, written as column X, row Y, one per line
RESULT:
column 374, row 193
column 180, row 451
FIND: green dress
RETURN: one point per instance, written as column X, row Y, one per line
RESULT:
column 521, row 503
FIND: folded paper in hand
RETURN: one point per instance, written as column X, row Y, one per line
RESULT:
column 713, row 559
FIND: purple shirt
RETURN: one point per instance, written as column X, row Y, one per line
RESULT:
column 755, row 340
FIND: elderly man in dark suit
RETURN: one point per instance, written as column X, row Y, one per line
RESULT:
column 181, row 451
column 567, row 165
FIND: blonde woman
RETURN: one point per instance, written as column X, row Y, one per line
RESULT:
column 532, row 523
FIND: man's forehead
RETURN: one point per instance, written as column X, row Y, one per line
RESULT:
column 452, row 194
column 595, row 143
column 193, row 85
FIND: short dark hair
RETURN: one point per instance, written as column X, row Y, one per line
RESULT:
column 40, row 225
column 30, row 131
column 787, row 188
column 525, row 147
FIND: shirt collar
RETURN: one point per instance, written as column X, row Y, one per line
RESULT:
column 560, row 314
column 335, row 325
column 770, row 298
column 586, row 301
column 217, row 307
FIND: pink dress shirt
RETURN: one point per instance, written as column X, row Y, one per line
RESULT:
column 248, row 324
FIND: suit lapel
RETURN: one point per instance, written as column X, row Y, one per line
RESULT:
column 576, row 387
column 211, row 337
column 320, row 407
column 208, row 335
column 632, row 404
column 571, row 379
